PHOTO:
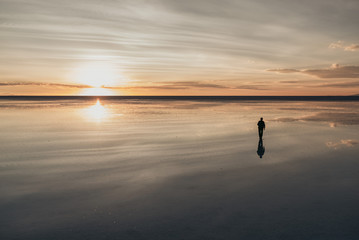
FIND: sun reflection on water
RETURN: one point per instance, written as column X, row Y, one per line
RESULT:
column 96, row 113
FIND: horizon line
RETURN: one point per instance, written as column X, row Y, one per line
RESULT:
column 185, row 97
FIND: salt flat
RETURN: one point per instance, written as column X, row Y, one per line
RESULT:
column 141, row 169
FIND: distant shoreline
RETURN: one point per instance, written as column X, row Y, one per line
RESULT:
column 188, row 98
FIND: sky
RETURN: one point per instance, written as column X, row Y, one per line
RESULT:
column 171, row 47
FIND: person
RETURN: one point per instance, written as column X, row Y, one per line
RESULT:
column 261, row 127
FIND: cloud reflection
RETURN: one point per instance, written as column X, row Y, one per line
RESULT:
column 343, row 142
column 349, row 117
column 170, row 161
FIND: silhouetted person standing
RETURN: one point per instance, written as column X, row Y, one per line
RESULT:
column 261, row 127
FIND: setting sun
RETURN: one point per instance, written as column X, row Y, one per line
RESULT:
column 97, row 91
column 96, row 74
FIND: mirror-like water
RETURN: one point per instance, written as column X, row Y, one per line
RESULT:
column 72, row 169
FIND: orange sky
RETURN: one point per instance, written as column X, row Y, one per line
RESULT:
column 169, row 47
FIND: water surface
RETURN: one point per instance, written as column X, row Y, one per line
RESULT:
column 161, row 169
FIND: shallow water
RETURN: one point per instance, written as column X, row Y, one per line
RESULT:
column 140, row 169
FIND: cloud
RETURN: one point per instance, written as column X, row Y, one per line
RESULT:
column 252, row 87
column 206, row 85
column 44, row 84
column 283, row 70
column 312, row 80
column 173, row 85
column 353, row 47
column 180, row 85
column 198, row 85
column 339, row 85
column 343, row 142
column 162, row 87
column 339, row 44
column 335, row 71
column 165, row 37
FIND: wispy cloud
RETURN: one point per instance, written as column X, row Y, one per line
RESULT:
column 253, row 87
column 179, row 85
column 60, row 85
column 352, row 47
column 198, row 85
column 334, row 71
column 283, row 70
column 339, row 44
column 339, row 85
column 171, row 40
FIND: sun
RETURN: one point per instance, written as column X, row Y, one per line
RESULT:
column 94, row 91
column 96, row 74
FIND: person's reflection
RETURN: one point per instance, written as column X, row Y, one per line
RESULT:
column 261, row 149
